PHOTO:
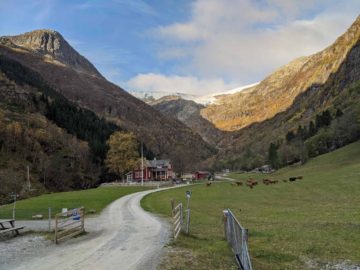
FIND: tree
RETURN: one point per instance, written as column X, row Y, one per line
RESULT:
column 339, row 113
column 290, row 136
column 273, row 156
column 312, row 129
column 302, row 132
column 123, row 152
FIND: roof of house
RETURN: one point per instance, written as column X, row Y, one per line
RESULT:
column 202, row 172
column 159, row 163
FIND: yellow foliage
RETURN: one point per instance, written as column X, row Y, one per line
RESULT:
column 123, row 152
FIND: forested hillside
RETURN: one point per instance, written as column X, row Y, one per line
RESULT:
column 64, row 145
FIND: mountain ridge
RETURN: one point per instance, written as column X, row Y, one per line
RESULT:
column 239, row 110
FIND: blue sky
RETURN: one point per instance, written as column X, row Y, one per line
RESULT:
column 194, row 47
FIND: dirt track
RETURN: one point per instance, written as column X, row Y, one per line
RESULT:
column 126, row 237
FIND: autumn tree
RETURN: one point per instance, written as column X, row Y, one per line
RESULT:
column 123, row 152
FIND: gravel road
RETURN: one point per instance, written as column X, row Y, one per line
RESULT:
column 124, row 236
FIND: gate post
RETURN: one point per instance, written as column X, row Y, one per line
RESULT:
column 225, row 220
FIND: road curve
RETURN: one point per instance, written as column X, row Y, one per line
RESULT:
column 125, row 237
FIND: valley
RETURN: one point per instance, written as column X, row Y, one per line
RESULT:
column 110, row 108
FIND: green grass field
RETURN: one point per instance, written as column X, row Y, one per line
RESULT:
column 313, row 221
column 97, row 199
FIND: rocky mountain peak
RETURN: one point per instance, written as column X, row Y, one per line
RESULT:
column 52, row 45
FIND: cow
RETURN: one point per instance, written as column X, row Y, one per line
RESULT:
column 208, row 184
column 239, row 183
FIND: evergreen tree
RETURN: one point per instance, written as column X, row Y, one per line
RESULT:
column 312, row 129
column 326, row 118
column 302, row 132
column 339, row 113
column 273, row 156
column 290, row 136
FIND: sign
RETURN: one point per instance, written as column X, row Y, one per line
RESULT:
column 75, row 214
column 188, row 194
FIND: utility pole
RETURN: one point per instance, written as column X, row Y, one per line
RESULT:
column 142, row 164
column 28, row 177
column 14, row 196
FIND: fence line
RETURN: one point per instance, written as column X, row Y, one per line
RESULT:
column 69, row 224
column 237, row 237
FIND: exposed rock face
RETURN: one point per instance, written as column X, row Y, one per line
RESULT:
column 188, row 112
column 277, row 92
column 53, row 47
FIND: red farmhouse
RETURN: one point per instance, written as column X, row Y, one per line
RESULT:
column 160, row 170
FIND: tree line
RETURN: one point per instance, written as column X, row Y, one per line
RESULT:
column 331, row 129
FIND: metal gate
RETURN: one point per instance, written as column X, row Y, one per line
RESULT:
column 237, row 237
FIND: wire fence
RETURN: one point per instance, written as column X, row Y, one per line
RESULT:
column 237, row 237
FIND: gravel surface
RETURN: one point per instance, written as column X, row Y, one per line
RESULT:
column 123, row 236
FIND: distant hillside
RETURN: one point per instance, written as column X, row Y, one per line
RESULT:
column 278, row 91
column 188, row 112
column 69, row 74
column 322, row 118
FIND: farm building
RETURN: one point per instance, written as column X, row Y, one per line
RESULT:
column 158, row 170
column 201, row 175
column 187, row 176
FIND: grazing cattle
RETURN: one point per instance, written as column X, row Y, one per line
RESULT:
column 239, row 183
column 250, row 185
column 269, row 181
column 292, row 179
column 299, row 177
column 208, row 184
column 266, row 181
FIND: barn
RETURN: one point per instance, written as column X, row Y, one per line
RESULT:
column 201, row 175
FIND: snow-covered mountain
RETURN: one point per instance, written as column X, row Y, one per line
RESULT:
column 149, row 96
column 212, row 98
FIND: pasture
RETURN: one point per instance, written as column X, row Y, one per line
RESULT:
column 97, row 199
column 305, row 224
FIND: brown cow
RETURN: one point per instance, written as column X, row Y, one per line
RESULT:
column 239, row 183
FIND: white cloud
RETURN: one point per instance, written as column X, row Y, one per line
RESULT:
column 152, row 82
column 243, row 40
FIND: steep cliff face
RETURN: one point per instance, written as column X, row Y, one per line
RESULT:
column 277, row 92
column 53, row 47
column 79, row 83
